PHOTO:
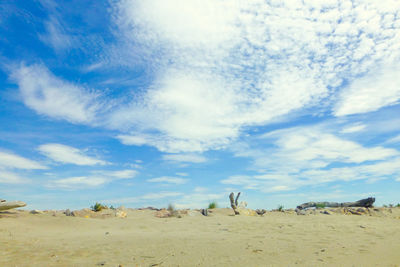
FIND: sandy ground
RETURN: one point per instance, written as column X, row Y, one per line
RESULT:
column 141, row 239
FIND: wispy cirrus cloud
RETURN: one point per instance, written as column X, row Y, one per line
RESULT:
column 216, row 68
column 56, row 36
column 145, row 198
column 252, row 63
column 11, row 161
column 78, row 182
column 304, row 156
column 377, row 89
column 94, row 179
column 51, row 96
column 68, row 155
column 8, row 177
column 168, row 180
column 353, row 128
column 193, row 158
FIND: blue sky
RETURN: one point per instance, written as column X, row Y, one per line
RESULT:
column 142, row 103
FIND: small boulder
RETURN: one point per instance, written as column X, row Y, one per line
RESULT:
column 325, row 212
column 36, row 212
column 163, row 213
column 261, row 212
column 67, row 212
column 247, row 212
column 301, row 212
column 120, row 214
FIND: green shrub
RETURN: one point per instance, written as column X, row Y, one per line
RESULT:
column 280, row 208
column 212, row 205
column 320, row 206
column 98, row 207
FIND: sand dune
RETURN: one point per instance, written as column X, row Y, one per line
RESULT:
column 141, row 239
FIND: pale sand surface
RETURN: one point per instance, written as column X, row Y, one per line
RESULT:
column 275, row 239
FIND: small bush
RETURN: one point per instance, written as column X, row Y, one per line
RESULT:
column 280, row 208
column 98, row 207
column 212, row 205
column 320, row 206
column 385, row 206
column 173, row 212
column 398, row 205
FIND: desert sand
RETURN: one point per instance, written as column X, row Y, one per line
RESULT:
column 221, row 239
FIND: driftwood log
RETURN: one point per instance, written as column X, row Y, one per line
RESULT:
column 366, row 203
column 4, row 205
column 234, row 202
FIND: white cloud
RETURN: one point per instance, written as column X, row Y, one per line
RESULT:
column 167, row 179
column 201, row 200
column 216, row 68
column 193, row 158
column 316, row 145
column 48, row 95
column 97, row 178
column 56, row 36
column 68, row 155
column 121, row 174
column 10, row 160
column 181, row 22
column 394, row 140
column 7, row 177
column 77, row 182
column 375, row 90
column 144, row 198
column 304, row 156
column 353, row 128
column 246, row 64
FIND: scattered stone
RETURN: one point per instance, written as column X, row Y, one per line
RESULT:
column 67, row 212
column 85, row 213
column 36, row 212
column 163, row 213
column 301, row 212
column 247, row 212
column 261, row 212
column 121, row 214
column 149, row 208
column 325, row 212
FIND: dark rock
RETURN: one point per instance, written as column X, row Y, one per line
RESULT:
column 67, row 212
column 261, row 212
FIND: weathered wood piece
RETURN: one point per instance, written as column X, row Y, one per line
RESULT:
column 11, row 205
column 234, row 202
column 366, row 203
column 204, row 212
